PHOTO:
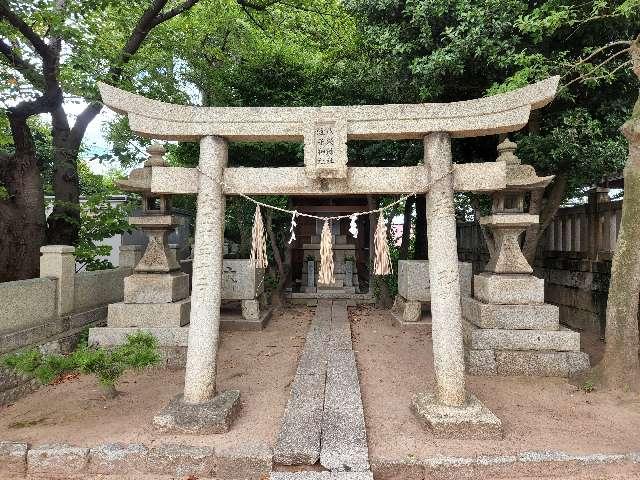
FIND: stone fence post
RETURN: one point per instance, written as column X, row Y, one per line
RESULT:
column 130, row 255
column 58, row 261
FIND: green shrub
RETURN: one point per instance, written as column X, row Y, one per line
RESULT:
column 108, row 365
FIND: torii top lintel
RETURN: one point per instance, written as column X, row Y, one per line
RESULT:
column 501, row 113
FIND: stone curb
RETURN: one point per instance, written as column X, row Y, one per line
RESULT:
column 493, row 466
column 176, row 460
column 254, row 462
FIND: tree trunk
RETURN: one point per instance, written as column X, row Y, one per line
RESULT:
column 534, row 234
column 620, row 368
column 64, row 220
column 406, row 228
column 283, row 269
column 420, row 251
column 22, row 216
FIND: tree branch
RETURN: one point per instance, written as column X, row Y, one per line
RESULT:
column 38, row 43
column 174, row 12
column 25, row 68
column 82, row 122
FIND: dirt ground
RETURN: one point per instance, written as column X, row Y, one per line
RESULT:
column 394, row 364
column 537, row 413
column 259, row 364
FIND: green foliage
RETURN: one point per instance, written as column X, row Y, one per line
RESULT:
column 139, row 351
column 99, row 219
column 588, row 386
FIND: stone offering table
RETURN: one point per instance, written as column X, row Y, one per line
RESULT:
column 508, row 328
column 414, row 290
column 242, row 281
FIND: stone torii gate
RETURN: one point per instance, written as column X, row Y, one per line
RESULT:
column 325, row 131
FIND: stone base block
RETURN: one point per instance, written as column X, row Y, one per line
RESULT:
column 156, row 287
column 471, row 421
column 231, row 322
column 511, row 317
column 526, row 363
column 508, row 289
column 563, row 340
column 404, row 311
column 215, row 416
column 149, row 314
column 111, row 336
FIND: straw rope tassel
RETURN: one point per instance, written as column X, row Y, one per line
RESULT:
column 325, row 276
column 382, row 259
column 258, row 242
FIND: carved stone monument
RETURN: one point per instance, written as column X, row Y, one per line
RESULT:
column 509, row 330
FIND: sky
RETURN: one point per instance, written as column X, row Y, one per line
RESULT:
column 94, row 138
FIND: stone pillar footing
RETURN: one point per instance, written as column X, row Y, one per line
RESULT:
column 471, row 421
column 214, row 416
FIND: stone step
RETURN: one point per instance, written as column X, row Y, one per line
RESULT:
column 511, row 317
column 152, row 315
column 321, row 476
column 298, row 441
column 166, row 336
column 564, row 340
column 508, row 289
column 344, row 437
column 525, row 363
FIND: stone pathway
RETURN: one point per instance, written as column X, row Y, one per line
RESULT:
column 324, row 418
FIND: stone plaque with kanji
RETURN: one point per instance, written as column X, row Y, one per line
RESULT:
column 325, row 148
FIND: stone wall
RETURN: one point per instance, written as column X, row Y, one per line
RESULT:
column 51, row 312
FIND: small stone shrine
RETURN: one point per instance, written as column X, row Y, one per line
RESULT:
column 509, row 330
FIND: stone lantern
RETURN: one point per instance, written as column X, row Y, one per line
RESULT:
column 508, row 219
column 156, row 294
column 509, row 329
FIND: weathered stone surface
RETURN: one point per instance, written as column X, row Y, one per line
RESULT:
column 408, row 468
column 181, row 460
column 117, row 458
column 206, row 292
column 577, row 362
column 511, row 317
column 508, row 289
column 236, row 322
column 414, row 283
column 471, row 421
column 481, row 362
column 214, row 416
column 27, row 304
column 309, row 475
column 156, row 287
column 251, row 310
column 244, row 462
column 13, row 457
column 344, row 437
column 241, row 280
column 487, row 338
column 58, row 459
column 483, row 116
column 149, row 315
column 506, row 229
column 444, row 269
column 130, row 255
column 298, row 440
column 340, row 333
column 100, row 287
column 167, row 336
column 57, row 261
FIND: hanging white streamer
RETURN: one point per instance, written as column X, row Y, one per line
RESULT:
column 353, row 226
column 292, row 229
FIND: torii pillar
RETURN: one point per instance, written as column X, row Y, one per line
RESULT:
column 451, row 411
